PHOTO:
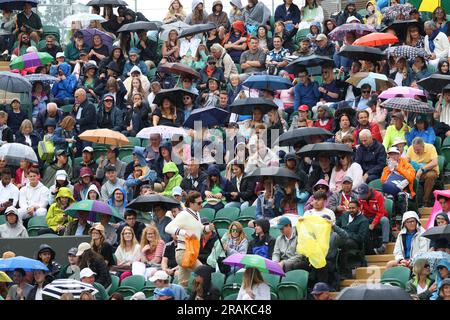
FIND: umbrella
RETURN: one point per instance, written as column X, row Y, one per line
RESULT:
column 433, row 258
column 377, row 81
column 16, row 5
column 94, row 207
column 408, row 104
column 295, row 136
column 178, row 68
column 376, row 39
column 139, row 25
column 179, row 26
column 267, row 82
column 338, row 34
column 362, row 53
column 166, row 132
column 392, row 12
column 13, row 82
column 175, row 95
column 209, row 117
column 431, row 5
column 15, row 152
column 84, row 18
column 102, row 3
column 20, row 262
column 246, row 106
column 104, row 136
column 435, row 233
column 88, row 34
column 4, row 277
column 374, row 292
column 406, row 92
column 44, row 78
column 196, row 29
column 408, row 52
column 308, row 61
column 29, row 60
column 434, row 83
column 324, row 149
column 254, row 261
column 401, row 26
column 279, row 175
column 146, row 203
column 58, row 287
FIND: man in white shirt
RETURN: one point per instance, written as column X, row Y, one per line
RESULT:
column 319, row 209
column 33, row 197
column 9, row 193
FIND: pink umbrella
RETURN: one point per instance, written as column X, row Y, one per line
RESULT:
column 406, row 92
column 437, row 206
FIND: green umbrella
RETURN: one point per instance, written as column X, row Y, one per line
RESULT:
column 94, row 207
column 31, row 59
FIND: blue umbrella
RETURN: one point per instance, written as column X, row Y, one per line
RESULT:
column 44, row 78
column 267, row 82
column 209, row 117
column 20, row 262
column 16, row 5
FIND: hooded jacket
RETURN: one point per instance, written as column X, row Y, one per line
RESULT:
column 257, row 15
column 50, row 173
column 53, row 266
column 111, row 200
column 158, row 163
column 16, row 230
column 65, row 88
column 55, row 214
column 93, row 187
column 233, row 17
column 144, row 80
column 239, row 25
column 115, row 122
column 80, row 190
column 129, row 65
column 262, row 246
column 53, row 192
column 344, row 15
column 209, row 291
column 444, row 263
column 419, row 244
column 225, row 185
column 293, row 14
column 221, row 19
column 189, row 18
column 173, row 182
column 120, row 62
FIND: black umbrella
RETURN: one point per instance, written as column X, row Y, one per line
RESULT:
column 362, row 53
column 102, row 3
column 139, row 25
column 401, row 26
column 279, row 175
column 146, row 203
column 438, row 233
column 324, row 149
column 308, row 61
column 295, row 136
column 16, row 5
column 434, row 83
column 175, row 95
column 13, row 82
column 246, row 106
column 196, row 29
column 374, row 292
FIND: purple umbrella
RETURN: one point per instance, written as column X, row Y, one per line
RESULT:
column 254, row 261
column 360, row 29
column 88, row 34
column 94, row 207
column 406, row 92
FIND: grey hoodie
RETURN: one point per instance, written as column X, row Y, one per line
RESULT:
column 16, row 230
column 93, row 187
column 234, row 17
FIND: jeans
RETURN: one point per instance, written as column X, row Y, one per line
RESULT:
column 385, row 227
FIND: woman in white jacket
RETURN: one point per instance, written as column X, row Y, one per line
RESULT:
column 409, row 241
column 436, row 43
column 253, row 286
column 345, row 167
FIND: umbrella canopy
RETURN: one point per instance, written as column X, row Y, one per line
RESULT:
column 139, row 25
column 246, row 106
column 166, row 132
column 178, row 68
column 432, row 257
column 401, row 26
column 406, row 92
column 29, row 60
column 16, row 5
column 90, row 33
column 295, row 136
column 338, row 34
column 437, row 233
column 408, row 104
column 431, row 5
column 84, row 18
column 392, row 12
column 308, row 61
column 196, row 29
column 20, row 262
column 376, row 39
column 4, row 277
column 102, row 3
column 324, row 149
column 434, row 83
column 58, row 287
column 44, row 78
column 13, row 82
column 374, row 292
column 95, row 208
column 179, row 26
column 408, row 52
column 175, row 95
column 362, row 53
column 104, row 136
column 254, row 261
column 279, row 175
column 209, row 117
column 267, row 82
column 377, row 81
column 15, row 152
column 146, row 203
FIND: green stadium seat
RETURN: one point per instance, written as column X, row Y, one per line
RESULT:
column 208, row 213
column 438, row 144
column 272, row 280
column 148, row 291
column 232, row 284
column 135, row 142
column 376, row 184
column 274, row 232
column 389, row 206
column 446, row 142
column 225, row 216
column 249, row 232
column 2, row 219
column 218, row 280
column 130, row 285
column 125, row 151
column 127, row 159
column 144, row 142
column 115, row 280
column 293, row 285
column 247, row 215
column 397, row 276
column 35, row 224
column 232, row 296
column 77, row 161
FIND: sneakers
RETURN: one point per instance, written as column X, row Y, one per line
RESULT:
column 380, row 250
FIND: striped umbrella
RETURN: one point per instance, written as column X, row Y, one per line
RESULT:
column 57, row 288
column 31, row 59
column 408, row 104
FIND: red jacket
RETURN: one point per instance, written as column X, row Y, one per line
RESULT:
column 374, row 129
column 374, row 206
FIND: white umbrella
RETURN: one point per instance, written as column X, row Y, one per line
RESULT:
column 14, row 152
column 166, row 28
column 166, row 132
column 57, row 288
column 84, row 18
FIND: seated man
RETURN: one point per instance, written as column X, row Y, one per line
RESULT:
column 33, row 197
column 253, row 60
column 424, row 159
column 319, row 208
column 372, row 206
column 364, row 123
column 130, row 221
column 285, row 250
column 161, row 281
column 339, row 201
column 80, row 226
column 63, row 90
column 371, row 155
column 353, row 228
column 29, row 21
column 306, row 91
column 276, row 59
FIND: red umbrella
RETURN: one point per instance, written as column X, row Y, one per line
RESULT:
column 376, row 39
column 178, row 68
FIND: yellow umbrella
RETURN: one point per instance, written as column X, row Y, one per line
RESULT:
column 4, row 277
column 429, row 5
column 104, row 136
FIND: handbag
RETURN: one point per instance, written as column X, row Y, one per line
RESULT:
column 46, row 150
column 191, row 252
column 224, row 268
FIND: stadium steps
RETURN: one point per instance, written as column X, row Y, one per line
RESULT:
column 425, row 212
column 4, row 65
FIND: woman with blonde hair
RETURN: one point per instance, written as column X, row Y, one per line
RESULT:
column 65, row 134
column 253, row 286
column 175, row 13
column 86, row 295
column 421, row 285
column 414, row 38
column 27, row 135
column 136, row 87
column 128, row 251
column 152, row 247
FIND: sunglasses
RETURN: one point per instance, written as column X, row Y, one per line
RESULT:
column 235, row 231
column 365, row 91
column 342, row 157
column 199, row 203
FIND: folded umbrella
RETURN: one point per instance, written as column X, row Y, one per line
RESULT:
column 374, row 292
column 434, row 83
column 16, row 5
column 13, row 153
column 146, row 203
column 376, row 39
column 329, row 149
column 166, row 132
column 254, row 261
column 267, row 82
column 84, row 18
column 175, row 95
column 279, row 175
column 20, row 262
column 338, row 34
column 31, row 59
column 102, row 3
column 292, row 137
column 104, row 136
column 246, row 106
column 308, row 61
column 95, row 208
column 178, row 68
column 58, row 287
column 406, row 92
column 408, row 104
column 13, row 82
column 437, row 233
column 401, row 26
column 209, row 117
column 90, row 33
column 362, row 53
column 196, row 29
column 138, row 25
column 433, row 258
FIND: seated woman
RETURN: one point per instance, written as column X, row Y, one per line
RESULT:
column 175, row 12
column 128, row 251
column 117, row 56
column 88, row 81
column 100, row 245
column 413, row 37
column 321, row 185
column 27, row 135
column 136, row 87
column 421, row 285
column 402, row 75
column 247, row 127
column 152, row 247
column 345, row 167
column 345, row 128
column 136, row 116
column 265, row 42
column 167, row 115
column 243, row 195
column 421, row 129
column 73, row 49
column 64, row 136
column 268, row 203
column 99, row 50
column 210, row 96
column 171, row 48
column 419, row 69
column 235, row 42
column 216, row 190
column 39, row 97
column 280, row 30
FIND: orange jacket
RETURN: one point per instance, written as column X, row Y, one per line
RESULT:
column 406, row 170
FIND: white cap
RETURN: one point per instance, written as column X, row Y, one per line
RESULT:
column 138, row 296
column 351, row 19
column 393, row 150
column 159, row 275
column 86, row 272
column 177, row 191
column 88, row 149
column 59, row 55
column 82, row 247
column 61, row 177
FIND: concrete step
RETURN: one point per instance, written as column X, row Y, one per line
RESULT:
column 377, row 264
column 425, row 211
column 423, row 221
column 390, row 247
column 370, row 272
column 355, row 282
column 379, row 258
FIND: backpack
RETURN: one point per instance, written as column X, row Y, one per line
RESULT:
column 46, row 150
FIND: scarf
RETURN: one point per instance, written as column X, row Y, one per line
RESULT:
column 431, row 39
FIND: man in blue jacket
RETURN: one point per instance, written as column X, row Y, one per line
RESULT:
column 306, row 92
column 371, row 155
column 63, row 90
column 288, row 12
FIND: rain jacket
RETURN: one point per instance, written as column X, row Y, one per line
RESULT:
column 195, row 3
column 55, row 214
column 233, row 16
column 419, row 244
column 120, row 62
column 158, row 163
column 293, row 14
column 377, row 13
column 110, row 202
column 406, row 170
column 53, row 266
column 144, row 80
column 33, row 196
column 444, row 263
column 80, row 190
column 262, row 246
column 129, row 65
column 173, row 182
column 116, row 118
column 93, row 187
column 257, row 15
column 53, row 193
column 225, row 185
column 17, row 230
column 344, row 15
column 411, row 288
column 373, row 206
column 65, row 88
column 209, row 291
column 221, row 19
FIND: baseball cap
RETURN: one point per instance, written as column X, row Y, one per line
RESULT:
column 347, row 179
column 83, row 53
column 303, row 107
column 177, row 191
column 320, row 287
column 159, row 275
column 138, row 296
column 205, row 221
column 86, row 272
column 420, row 118
column 72, row 251
column 393, row 150
column 284, row 221
column 108, row 97
column 397, row 141
column 61, row 152
column 110, row 167
column 88, row 149
column 351, row 19
column 82, row 247
column 164, row 292
column 61, row 177
column 398, row 115
column 211, row 59
column 363, row 190
column 321, row 37
column 133, row 51
column 60, row 54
